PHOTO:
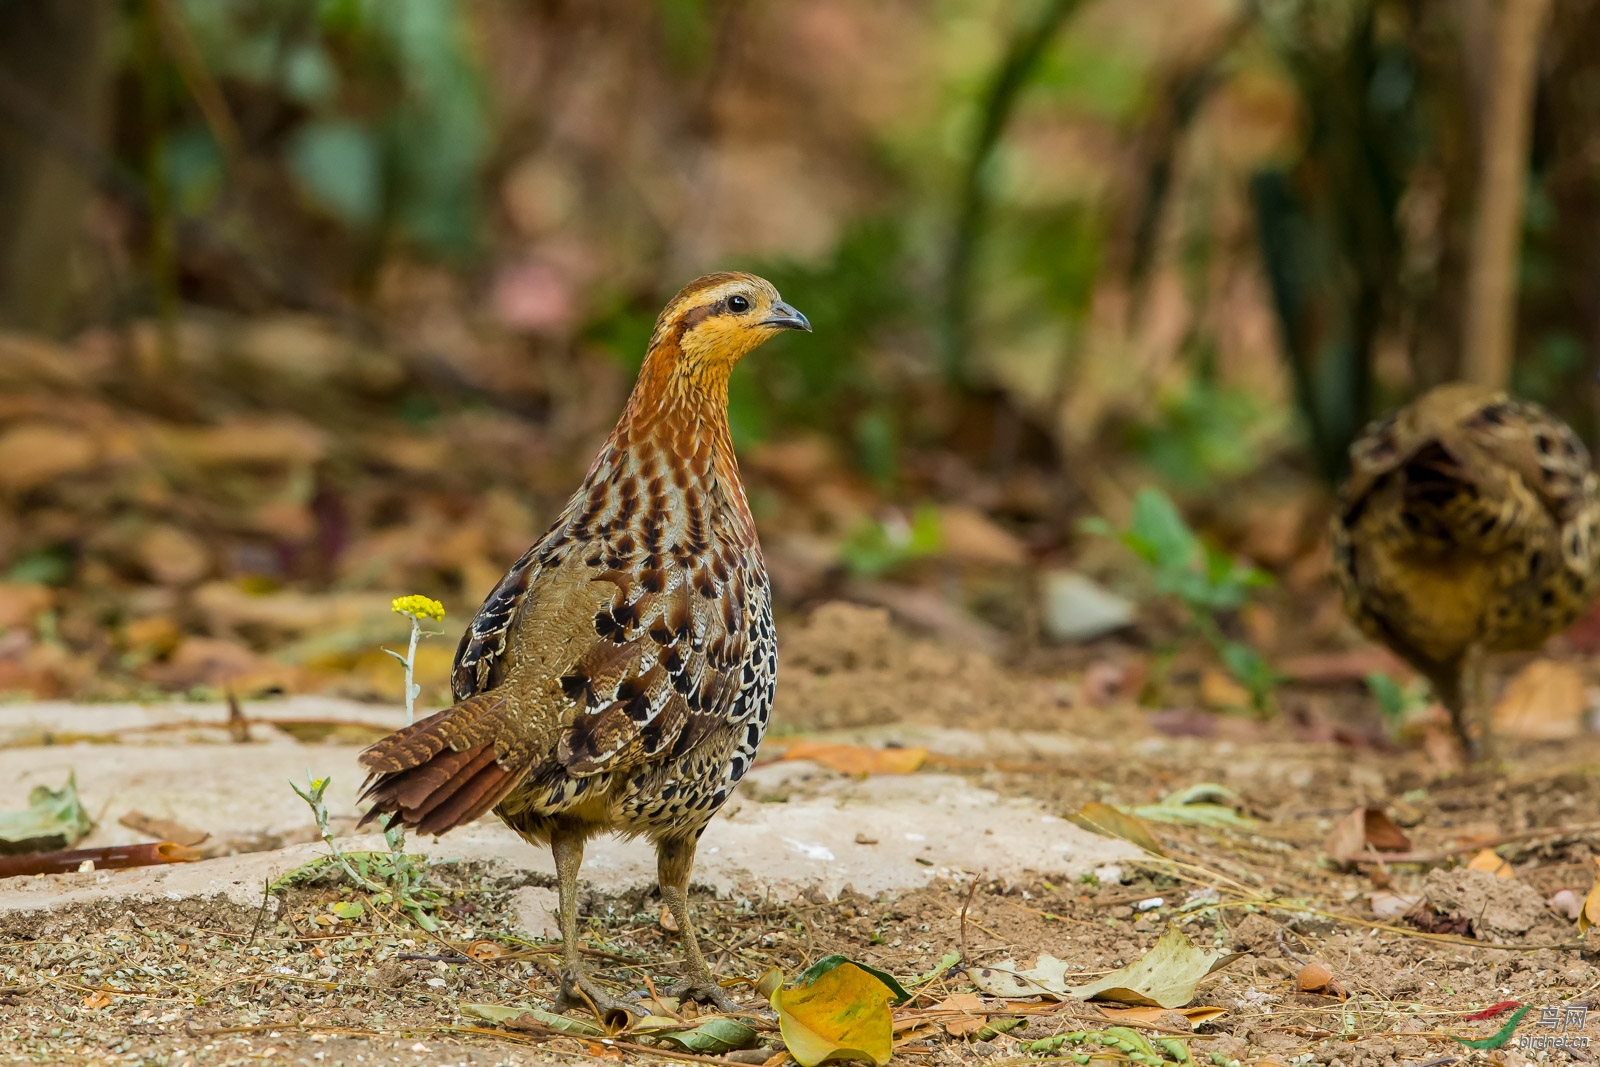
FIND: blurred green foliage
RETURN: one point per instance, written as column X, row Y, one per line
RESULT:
column 880, row 546
column 389, row 123
column 1204, row 434
column 1202, row 578
column 1395, row 702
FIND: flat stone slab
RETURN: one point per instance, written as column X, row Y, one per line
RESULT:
column 793, row 828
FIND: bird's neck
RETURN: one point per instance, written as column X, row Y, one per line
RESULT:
column 679, row 411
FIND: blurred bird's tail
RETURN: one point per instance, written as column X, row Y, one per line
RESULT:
column 443, row 771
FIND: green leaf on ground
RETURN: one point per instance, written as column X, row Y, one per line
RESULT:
column 509, row 1016
column 54, row 820
column 713, row 1037
column 1206, row 804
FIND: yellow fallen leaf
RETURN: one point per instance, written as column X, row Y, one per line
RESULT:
column 1487, row 860
column 857, row 759
column 1219, row 692
column 843, row 1014
column 1107, row 821
column 1590, row 915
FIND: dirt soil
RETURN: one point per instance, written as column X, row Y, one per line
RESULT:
column 1411, row 950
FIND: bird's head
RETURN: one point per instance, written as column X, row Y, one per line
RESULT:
column 715, row 320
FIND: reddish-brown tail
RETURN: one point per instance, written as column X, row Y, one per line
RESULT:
column 441, row 772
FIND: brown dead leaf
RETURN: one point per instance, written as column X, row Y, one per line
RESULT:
column 257, row 442
column 1220, row 692
column 669, row 922
column 1107, row 821
column 98, row 999
column 162, row 829
column 1545, row 701
column 857, row 759
column 1365, row 830
column 212, row 661
column 970, row 535
column 486, row 950
column 1149, row 1015
column 172, row 556
column 972, row 1017
column 36, row 453
column 1487, row 860
column 20, row 604
column 152, row 637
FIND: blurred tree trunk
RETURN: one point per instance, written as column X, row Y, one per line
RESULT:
column 53, row 62
column 1507, row 119
column 1503, row 179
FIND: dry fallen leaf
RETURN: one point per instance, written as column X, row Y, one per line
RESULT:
column 1545, row 701
column 1590, row 915
column 1220, row 692
column 1393, row 905
column 972, row 1017
column 668, row 921
column 162, row 829
column 1487, row 860
column 857, row 759
column 486, row 950
column 98, row 999
column 1351, row 836
column 1107, row 821
column 1166, row 975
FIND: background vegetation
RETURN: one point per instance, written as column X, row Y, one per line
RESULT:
column 313, row 301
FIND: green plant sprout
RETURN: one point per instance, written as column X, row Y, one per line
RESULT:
column 1396, row 702
column 416, row 608
column 395, row 877
column 1202, row 578
column 879, row 546
column 392, row 877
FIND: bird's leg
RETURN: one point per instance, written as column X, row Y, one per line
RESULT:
column 674, row 863
column 578, row 990
column 1477, row 735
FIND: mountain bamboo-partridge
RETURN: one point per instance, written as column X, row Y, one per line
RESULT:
column 1470, row 524
column 620, row 676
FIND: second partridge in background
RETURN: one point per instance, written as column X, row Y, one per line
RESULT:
column 1468, row 525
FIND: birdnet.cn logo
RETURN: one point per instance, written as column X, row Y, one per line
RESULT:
column 1562, row 1028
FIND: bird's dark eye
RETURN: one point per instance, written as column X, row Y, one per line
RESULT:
column 738, row 303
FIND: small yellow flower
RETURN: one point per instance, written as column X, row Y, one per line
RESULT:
column 316, row 783
column 418, row 607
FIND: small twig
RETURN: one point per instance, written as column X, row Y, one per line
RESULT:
column 972, row 891
column 266, row 895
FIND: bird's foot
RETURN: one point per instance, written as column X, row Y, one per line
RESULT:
column 578, row 990
column 705, row 991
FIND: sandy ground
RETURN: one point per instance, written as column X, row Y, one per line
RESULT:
column 970, row 856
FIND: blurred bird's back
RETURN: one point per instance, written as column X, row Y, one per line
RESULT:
column 1468, row 517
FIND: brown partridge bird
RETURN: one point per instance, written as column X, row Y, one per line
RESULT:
column 620, row 676
column 1468, row 525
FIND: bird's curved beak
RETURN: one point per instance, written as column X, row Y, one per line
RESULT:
column 784, row 317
